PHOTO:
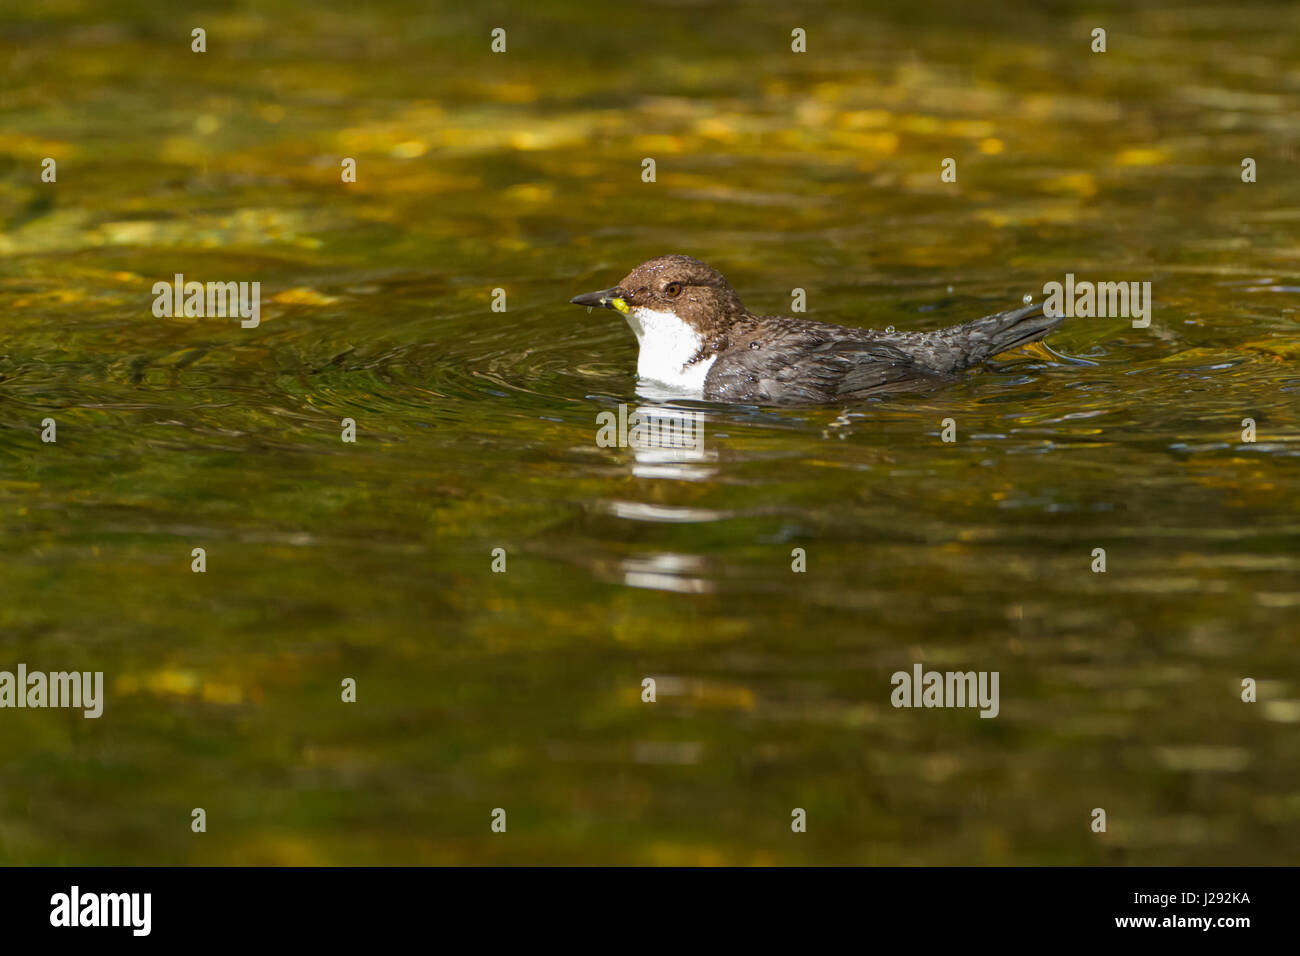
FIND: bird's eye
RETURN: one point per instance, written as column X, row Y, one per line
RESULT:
column 673, row 290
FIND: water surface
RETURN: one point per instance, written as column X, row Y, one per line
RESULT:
column 476, row 431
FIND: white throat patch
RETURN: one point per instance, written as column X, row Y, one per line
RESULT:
column 667, row 344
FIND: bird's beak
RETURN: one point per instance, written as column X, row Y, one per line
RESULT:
column 606, row 299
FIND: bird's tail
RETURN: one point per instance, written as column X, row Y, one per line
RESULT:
column 965, row 345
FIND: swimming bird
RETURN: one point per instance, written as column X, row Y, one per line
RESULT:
column 697, row 338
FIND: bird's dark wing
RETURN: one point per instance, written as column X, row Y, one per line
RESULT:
column 811, row 363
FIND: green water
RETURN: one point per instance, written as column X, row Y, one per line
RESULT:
column 476, row 430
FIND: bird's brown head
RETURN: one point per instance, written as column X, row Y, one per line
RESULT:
column 686, row 287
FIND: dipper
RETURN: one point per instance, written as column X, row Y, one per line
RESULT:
column 698, row 339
